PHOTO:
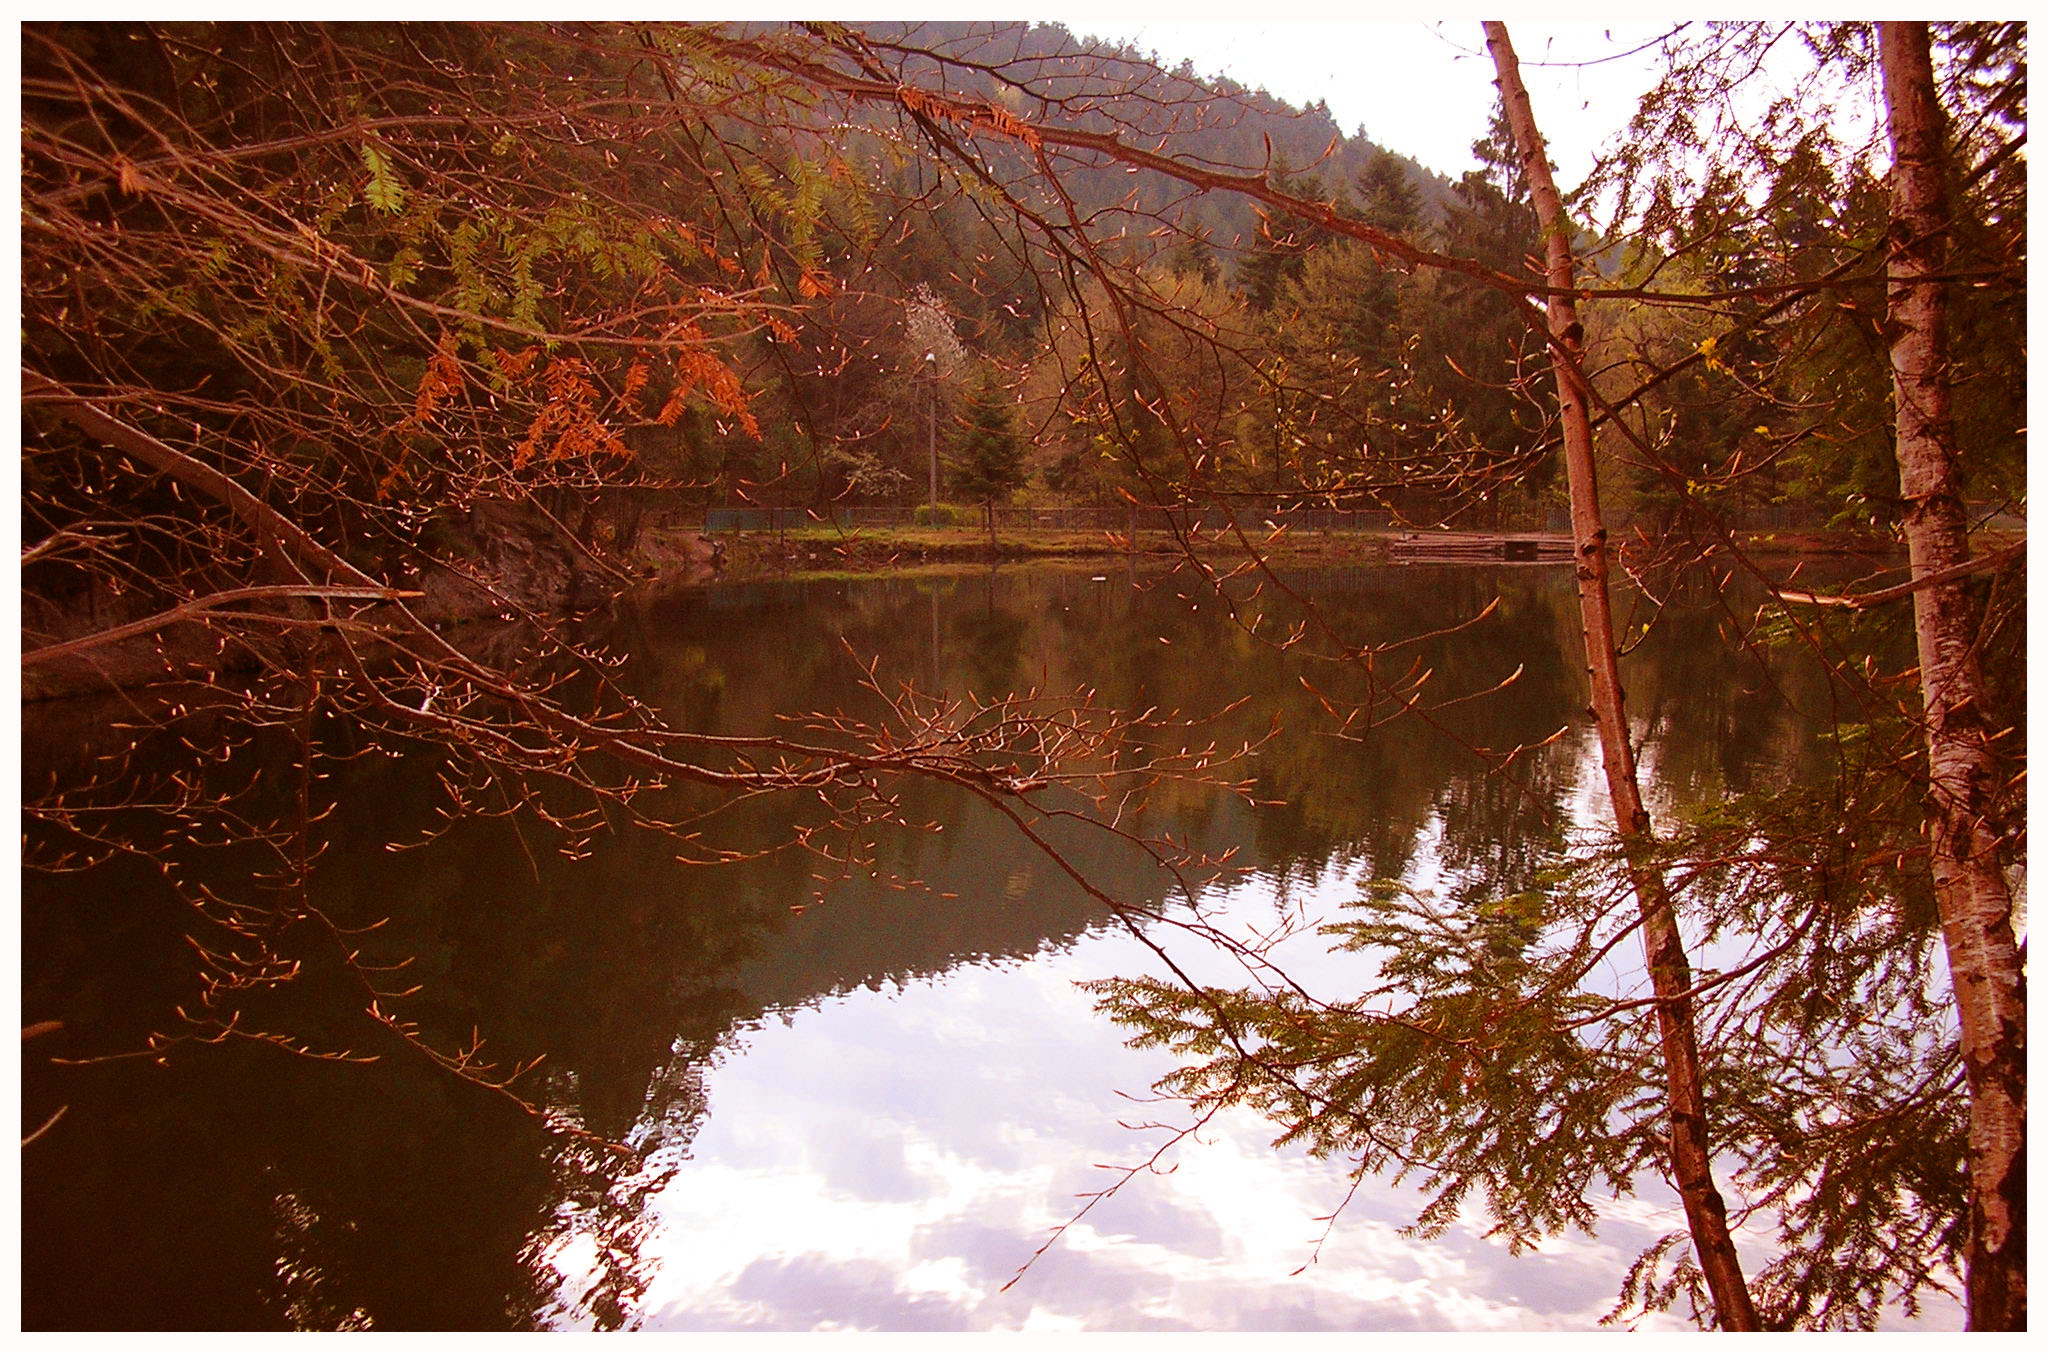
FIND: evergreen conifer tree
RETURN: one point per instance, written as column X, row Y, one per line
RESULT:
column 991, row 465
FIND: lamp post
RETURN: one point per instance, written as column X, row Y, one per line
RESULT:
column 931, row 374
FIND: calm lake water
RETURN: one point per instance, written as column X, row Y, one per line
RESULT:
column 864, row 1114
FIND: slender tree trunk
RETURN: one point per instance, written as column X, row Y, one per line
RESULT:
column 1969, row 884
column 1670, row 974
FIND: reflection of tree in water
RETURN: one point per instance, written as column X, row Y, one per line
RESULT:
column 1501, row 1053
column 589, row 1259
column 393, row 1195
column 1379, row 791
column 1719, row 717
column 990, row 643
column 246, row 1189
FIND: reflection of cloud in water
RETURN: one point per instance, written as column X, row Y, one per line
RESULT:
column 810, row 1291
column 887, row 1162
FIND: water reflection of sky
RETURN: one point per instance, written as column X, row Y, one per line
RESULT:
column 887, row 1160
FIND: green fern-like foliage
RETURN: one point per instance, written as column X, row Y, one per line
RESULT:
column 1494, row 1058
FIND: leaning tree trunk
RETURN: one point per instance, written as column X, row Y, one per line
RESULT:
column 1970, row 889
column 1691, row 1156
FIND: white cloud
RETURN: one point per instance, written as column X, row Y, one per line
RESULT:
column 889, row 1160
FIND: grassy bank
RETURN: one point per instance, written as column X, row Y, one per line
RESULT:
column 815, row 549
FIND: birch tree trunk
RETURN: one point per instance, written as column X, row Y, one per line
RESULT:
column 1691, row 1155
column 1964, row 844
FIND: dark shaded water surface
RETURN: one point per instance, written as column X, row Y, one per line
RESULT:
column 864, row 1114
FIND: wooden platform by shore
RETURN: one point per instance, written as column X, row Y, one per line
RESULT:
column 1532, row 547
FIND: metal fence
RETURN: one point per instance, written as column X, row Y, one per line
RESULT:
column 1110, row 519
column 1125, row 517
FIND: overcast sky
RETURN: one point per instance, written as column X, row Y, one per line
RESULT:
column 1423, row 88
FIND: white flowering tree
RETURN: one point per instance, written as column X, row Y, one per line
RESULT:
column 934, row 349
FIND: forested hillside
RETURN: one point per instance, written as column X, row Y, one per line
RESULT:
column 743, row 280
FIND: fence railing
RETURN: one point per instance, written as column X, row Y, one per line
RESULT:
column 1125, row 518
column 1111, row 519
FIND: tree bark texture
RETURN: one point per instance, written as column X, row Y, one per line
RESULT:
column 1975, row 903
column 1691, row 1155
